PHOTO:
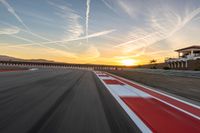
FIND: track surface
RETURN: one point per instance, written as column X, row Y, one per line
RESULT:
column 49, row 101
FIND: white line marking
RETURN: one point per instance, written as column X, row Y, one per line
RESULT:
column 121, row 91
column 139, row 93
column 107, row 78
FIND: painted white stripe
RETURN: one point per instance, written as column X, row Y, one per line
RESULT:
column 126, row 90
column 139, row 93
column 131, row 114
column 107, row 77
column 121, row 90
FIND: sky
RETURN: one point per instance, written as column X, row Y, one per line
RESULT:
column 98, row 31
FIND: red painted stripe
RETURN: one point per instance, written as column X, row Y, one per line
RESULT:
column 160, row 117
column 174, row 102
column 111, row 81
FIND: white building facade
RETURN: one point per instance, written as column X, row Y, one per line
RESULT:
column 188, row 57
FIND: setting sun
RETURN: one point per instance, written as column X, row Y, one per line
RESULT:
column 128, row 62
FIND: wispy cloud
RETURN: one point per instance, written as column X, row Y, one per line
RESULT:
column 180, row 24
column 46, row 48
column 136, row 40
column 109, row 6
column 90, row 53
column 73, row 28
column 12, row 30
column 27, row 29
column 126, row 6
column 100, row 33
column 87, row 17
column 9, row 30
column 161, row 28
column 79, row 38
column 12, row 11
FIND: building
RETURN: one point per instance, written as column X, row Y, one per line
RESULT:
column 188, row 58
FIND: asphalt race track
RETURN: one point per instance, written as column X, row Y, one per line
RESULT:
column 59, row 101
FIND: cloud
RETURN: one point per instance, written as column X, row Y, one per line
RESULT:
column 87, row 17
column 163, row 23
column 185, row 20
column 126, row 6
column 90, row 53
column 9, row 30
column 102, row 33
column 73, row 28
column 47, row 49
column 136, row 40
column 12, row 11
column 18, row 37
column 13, row 30
column 22, row 38
column 130, row 56
column 109, row 6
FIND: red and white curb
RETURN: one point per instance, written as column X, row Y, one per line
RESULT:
column 150, row 110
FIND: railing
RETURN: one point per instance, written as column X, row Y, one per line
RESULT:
column 67, row 65
column 184, row 58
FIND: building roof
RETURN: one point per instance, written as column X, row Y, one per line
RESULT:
column 196, row 47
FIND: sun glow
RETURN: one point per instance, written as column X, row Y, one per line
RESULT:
column 128, row 62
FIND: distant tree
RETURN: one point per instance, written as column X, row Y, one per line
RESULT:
column 153, row 62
